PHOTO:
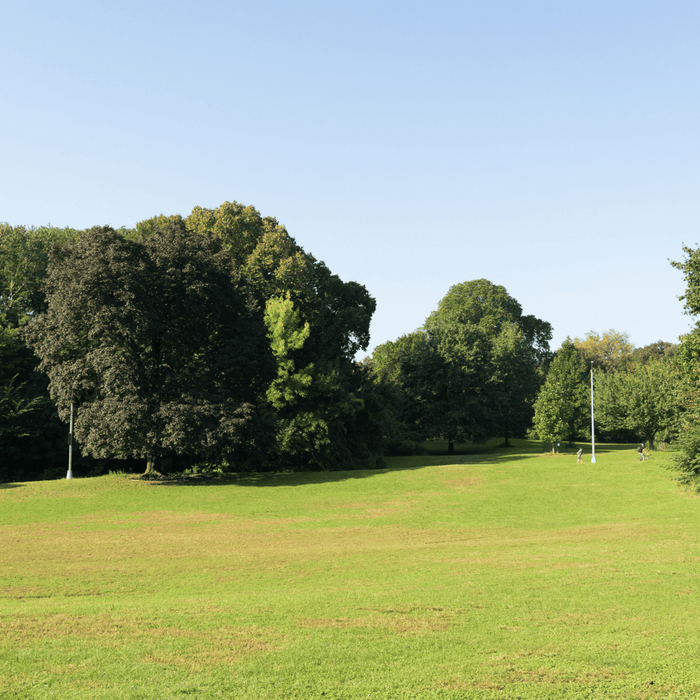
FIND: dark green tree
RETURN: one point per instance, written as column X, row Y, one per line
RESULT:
column 687, row 357
column 34, row 439
column 654, row 351
column 445, row 382
column 480, row 330
column 387, row 358
column 157, row 342
column 314, row 429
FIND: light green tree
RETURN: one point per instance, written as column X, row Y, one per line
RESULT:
column 562, row 403
column 643, row 399
column 609, row 350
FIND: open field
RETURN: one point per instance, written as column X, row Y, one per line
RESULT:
column 510, row 574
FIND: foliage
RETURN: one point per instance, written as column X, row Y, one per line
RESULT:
column 643, row 399
column 387, row 358
column 286, row 335
column 24, row 257
column 687, row 457
column 155, row 340
column 687, row 359
column 35, row 444
column 654, row 351
column 607, row 351
column 307, row 411
column 13, row 408
column 444, row 378
column 486, row 359
column 314, row 421
column 561, row 408
column 32, row 438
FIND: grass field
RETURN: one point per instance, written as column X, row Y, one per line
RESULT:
column 508, row 574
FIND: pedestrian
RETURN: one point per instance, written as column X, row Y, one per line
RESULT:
column 640, row 449
column 579, row 456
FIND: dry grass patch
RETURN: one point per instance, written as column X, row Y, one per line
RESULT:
column 464, row 483
column 407, row 625
column 533, row 677
column 218, row 646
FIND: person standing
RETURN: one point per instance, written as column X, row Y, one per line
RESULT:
column 579, row 456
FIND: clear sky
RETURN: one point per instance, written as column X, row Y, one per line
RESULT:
column 552, row 147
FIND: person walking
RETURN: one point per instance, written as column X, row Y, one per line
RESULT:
column 579, row 456
column 640, row 449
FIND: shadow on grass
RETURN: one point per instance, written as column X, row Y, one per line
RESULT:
column 269, row 479
column 465, row 454
column 10, row 486
column 492, row 452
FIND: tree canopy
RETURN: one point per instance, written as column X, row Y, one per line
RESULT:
column 642, row 399
column 609, row 350
column 473, row 370
column 561, row 408
column 155, row 339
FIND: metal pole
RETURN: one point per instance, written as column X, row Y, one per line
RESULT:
column 592, row 421
column 70, row 445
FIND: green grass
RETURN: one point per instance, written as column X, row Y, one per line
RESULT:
column 502, row 574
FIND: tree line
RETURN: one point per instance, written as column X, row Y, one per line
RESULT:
column 215, row 342
column 212, row 339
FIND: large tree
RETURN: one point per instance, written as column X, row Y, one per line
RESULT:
column 155, row 339
column 314, row 423
column 480, row 330
column 316, row 426
column 562, row 405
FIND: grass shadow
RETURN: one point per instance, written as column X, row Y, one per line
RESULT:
column 492, row 452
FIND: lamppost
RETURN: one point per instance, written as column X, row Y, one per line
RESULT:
column 70, row 445
column 592, row 421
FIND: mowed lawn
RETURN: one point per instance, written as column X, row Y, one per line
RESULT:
column 508, row 574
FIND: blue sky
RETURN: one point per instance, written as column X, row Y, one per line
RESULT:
column 550, row 147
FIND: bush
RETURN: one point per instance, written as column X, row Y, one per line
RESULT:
column 687, row 459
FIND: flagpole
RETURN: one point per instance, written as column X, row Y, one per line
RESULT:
column 592, row 421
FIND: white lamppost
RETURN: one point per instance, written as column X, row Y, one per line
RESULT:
column 70, row 445
column 592, row 421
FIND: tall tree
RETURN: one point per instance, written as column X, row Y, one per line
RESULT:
column 156, row 340
column 481, row 330
column 561, row 408
column 387, row 358
column 313, row 429
column 687, row 356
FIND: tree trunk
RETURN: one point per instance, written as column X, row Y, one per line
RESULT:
column 650, row 440
column 506, row 436
column 152, row 466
